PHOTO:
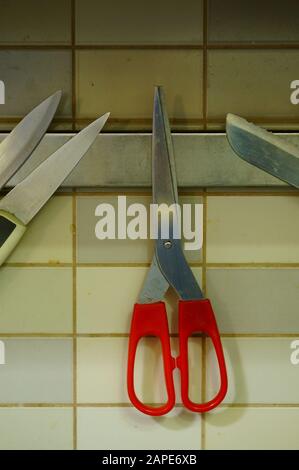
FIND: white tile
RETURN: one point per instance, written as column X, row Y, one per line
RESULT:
column 36, row 428
column 126, row 428
column 102, row 369
column 252, row 83
column 259, row 371
column 252, row 229
column 43, row 303
column 116, row 250
column 252, row 429
column 131, row 22
column 252, row 22
column 31, row 22
column 48, row 238
column 254, row 300
column 32, row 75
column 100, row 310
column 37, row 370
column 103, row 75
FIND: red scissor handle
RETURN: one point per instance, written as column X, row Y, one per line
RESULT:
column 151, row 320
column 196, row 316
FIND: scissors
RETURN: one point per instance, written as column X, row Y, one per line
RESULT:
column 170, row 268
column 23, row 202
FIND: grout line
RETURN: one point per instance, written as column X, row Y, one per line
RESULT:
column 38, row 47
column 274, row 118
column 126, row 335
column 183, row 192
column 36, row 335
column 203, row 393
column 256, row 46
column 128, row 46
column 205, row 64
column 114, row 193
column 253, row 265
column 260, row 335
column 73, row 72
column 74, row 247
column 204, row 343
column 178, row 46
column 113, row 265
column 129, row 405
column 37, row 265
column 264, row 192
column 218, row 120
column 125, row 265
column 144, row 46
column 107, row 405
column 204, row 245
column 147, row 264
column 133, row 192
column 65, row 192
column 259, row 405
column 36, row 405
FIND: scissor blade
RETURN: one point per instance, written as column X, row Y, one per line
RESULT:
column 155, row 285
column 21, row 142
column 29, row 196
column 163, row 166
column 170, row 257
column 263, row 149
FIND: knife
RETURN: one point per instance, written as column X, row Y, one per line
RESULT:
column 23, row 202
column 263, row 149
column 20, row 143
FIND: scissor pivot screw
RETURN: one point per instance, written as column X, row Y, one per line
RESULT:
column 167, row 244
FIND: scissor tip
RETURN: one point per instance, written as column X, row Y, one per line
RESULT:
column 158, row 90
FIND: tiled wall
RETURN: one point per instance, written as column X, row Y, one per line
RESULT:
column 211, row 56
column 66, row 330
column 67, row 298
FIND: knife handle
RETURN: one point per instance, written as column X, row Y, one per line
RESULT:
column 11, row 231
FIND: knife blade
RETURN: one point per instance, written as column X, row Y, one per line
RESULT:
column 23, row 202
column 263, row 149
column 24, row 138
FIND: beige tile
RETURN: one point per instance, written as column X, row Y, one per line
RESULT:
column 92, row 250
column 37, row 370
column 259, row 369
column 103, row 75
column 31, row 22
column 43, row 303
column 99, row 310
column 252, row 229
column 36, row 428
column 254, row 300
column 49, row 236
column 126, row 428
column 255, row 21
column 32, row 75
column 131, row 23
column 252, row 83
column 252, row 429
column 102, row 365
